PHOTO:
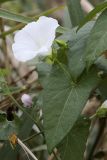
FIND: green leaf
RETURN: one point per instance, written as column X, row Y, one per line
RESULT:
column 92, row 14
column 62, row 49
column 61, row 29
column 77, row 45
column 44, row 71
column 101, row 63
column 51, row 10
column 63, row 101
column 8, row 127
column 25, row 131
column 103, row 89
column 76, row 53
column 3, row 1
column 73, row 145
column 75, row 11
column 101, row 112
column 7, row 153
column 2, row 116
column 97, row 42
column 12, row 16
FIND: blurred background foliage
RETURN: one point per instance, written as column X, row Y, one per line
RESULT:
column 34, row 7
column 21, row 78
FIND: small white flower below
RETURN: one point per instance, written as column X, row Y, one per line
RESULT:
column 26, row 100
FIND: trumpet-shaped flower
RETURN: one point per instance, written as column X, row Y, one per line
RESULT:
column 35, row 39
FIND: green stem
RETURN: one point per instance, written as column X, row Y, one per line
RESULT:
column 67, row 74
column 63, row 68
column 31, row 137
column 19, row 106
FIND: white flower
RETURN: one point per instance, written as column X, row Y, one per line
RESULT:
column 104, row 105
column 35, row 39
column 26, row 100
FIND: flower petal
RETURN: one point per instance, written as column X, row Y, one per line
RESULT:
column 35, row 39
column 26, row 100
column 42, row 31
column 44, row 51
column 24, row 47
column 23, row 51
column 47, row 27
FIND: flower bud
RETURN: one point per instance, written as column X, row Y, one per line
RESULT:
column 26, row 100
column 87, row 6
column 61, row 43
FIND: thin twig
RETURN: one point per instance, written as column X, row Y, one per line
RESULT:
column 31, row 137
column 54, row 155
column 26, row 148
